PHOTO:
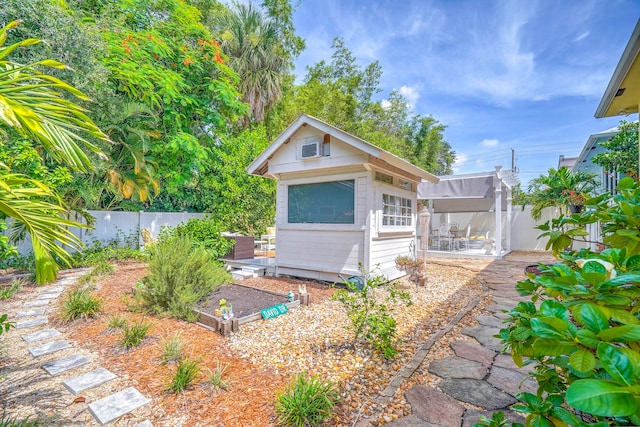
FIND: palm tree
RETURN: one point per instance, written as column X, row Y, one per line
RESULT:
column 31, row 103
column 253, row 44
column 553, row 189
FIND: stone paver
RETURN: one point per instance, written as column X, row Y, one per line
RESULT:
column 410, row 421
column 457, row 367
column 433, row 406
column 46, row 296
column 471, row 351
column 34, row 312
column 52, row 290
column 24, row 324
column 37, row 303
column 89, row 380
column 499, row 308
column 40, row 335
column 491, row 321
column 112, row 407
column 61, row 365
column 513, row 382
column 506, row 361
column 477, row 392
column 485, row 336
column 50, row 347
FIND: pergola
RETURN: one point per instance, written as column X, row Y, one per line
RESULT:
column 477, row 192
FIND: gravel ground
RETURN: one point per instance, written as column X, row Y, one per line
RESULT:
column 264, row 355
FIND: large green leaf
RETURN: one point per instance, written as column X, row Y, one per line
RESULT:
column 601, row 397
column 552, row 308
column 621, row 363
column 553, row 347
column 587, row 338
column 624, row 333
column 582, row 361
column 594, row 317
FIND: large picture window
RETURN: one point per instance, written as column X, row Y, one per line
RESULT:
column 324, row 202
column 396, row 211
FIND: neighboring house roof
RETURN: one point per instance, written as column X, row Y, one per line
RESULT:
column 623, row 92
column 592, row 141
column 566, row 161
column 259, row 166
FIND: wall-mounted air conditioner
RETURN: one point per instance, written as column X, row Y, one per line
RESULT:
column 310, row 150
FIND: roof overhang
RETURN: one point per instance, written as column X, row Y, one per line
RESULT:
column 592, row 141
column 622, row 95
column 260, row 165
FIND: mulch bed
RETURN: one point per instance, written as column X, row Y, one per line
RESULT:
column 244, row 300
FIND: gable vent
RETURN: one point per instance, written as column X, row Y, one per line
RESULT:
column 310, row 150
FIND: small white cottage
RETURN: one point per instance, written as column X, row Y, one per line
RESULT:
column 341, row 202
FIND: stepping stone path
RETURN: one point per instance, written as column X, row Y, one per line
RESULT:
column 478, row 374
column 108, row 408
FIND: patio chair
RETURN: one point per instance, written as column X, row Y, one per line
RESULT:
column 459, row 241
column 445, row 236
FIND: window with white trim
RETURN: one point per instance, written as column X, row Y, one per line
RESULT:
column 396, row 211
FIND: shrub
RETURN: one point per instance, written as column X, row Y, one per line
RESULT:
column 369, row 318
column 132, row 335
column 186, row 373
column 172, row 349
column 216, row 376
column 7, row 292
column 205, row 232
column 80, row 303
column 580, row 326
column 180, row 275
column 115, row 323
column 306, row 402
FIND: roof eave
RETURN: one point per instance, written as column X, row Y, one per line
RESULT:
column 626, row 60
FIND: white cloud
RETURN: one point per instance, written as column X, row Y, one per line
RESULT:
column 385, row 104
column 461, row 161
column 411, row 94
column 582, row 36
column 490, row 143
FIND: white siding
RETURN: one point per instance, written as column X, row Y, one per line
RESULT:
column 385, row 251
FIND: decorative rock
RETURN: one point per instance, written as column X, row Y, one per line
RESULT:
column 485, row 336
column 61, row 365
column 48, row 348
column 476, row 392
column 89, row 380
column 410, row 421
column 472, row 416
column 145, row 423
column 36, row 303
column 111, row 407
column 490, row 321
column 513, row 382
column 40, row 335
column 34, row 312
column 433, row 406
column 456, row 367
column 471, row 351
column 31, row 323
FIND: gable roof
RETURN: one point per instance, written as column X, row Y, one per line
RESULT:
column 259, row 166
column 592, row 141
column 623, row 91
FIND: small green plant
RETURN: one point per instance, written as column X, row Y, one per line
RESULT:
column 172, row 349
column 306, row 402
column 8, row 291
column 181, row 274
column 216, row 376
column 5, row 325
column 370, row 319
column 115, row 323
column 132, row 335
column 205, row 232
column 497, row 420
column 80, row 304
column 9, row 421
column 186, row 373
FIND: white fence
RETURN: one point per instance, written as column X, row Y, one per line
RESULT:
column 122, row 226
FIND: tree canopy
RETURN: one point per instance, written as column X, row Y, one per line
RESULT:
column 188, row 93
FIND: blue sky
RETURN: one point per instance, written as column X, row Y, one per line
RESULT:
column 500, row 74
